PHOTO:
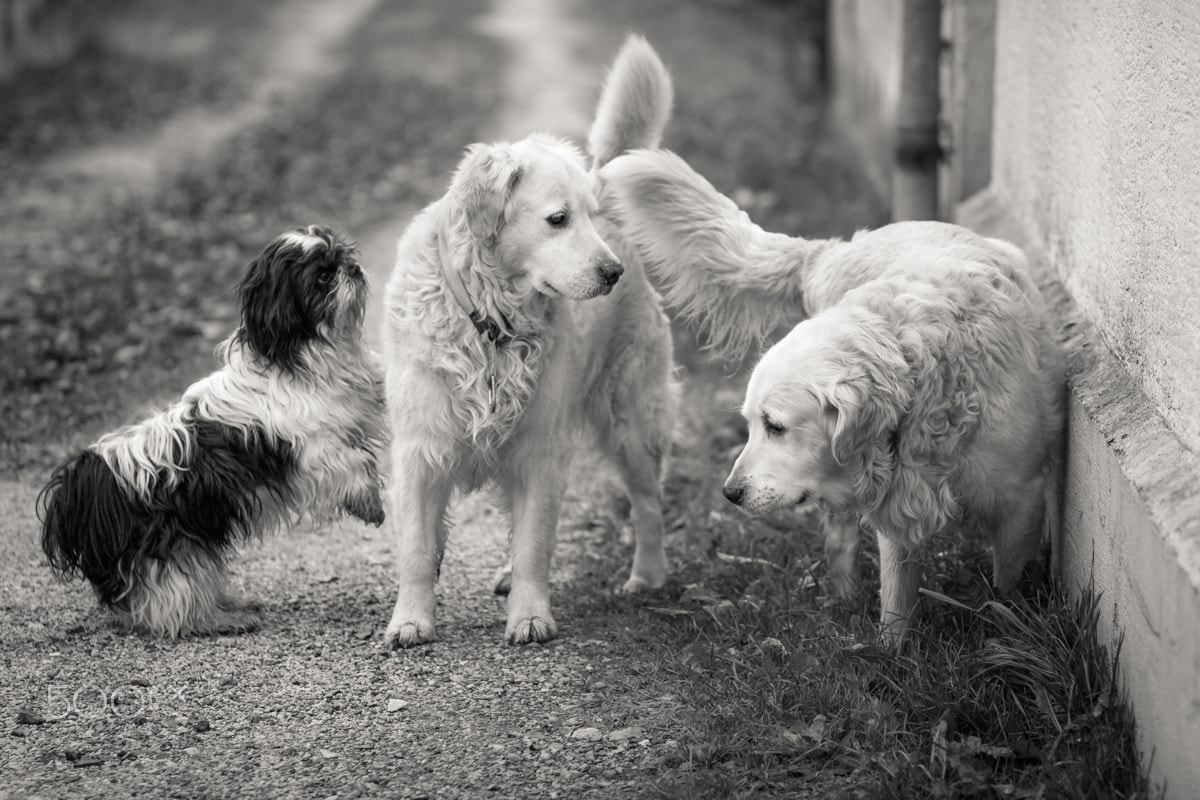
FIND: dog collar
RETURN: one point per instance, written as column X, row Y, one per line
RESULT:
column 487, row 327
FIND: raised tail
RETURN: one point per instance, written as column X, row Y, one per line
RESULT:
column 635, row 104
column 719, row 269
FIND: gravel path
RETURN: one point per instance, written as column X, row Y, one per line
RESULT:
column 311, row 705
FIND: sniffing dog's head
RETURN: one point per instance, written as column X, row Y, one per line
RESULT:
column 306, row 285
column 815, row 421
column 530, row 204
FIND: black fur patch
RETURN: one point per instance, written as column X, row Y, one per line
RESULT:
column 286, row 295
column 93, row 526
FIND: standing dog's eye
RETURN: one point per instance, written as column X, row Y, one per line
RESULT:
column 557, row 219
column 772, row 427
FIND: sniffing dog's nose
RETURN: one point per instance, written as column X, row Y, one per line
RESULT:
column 610, row 271
column 735, row 493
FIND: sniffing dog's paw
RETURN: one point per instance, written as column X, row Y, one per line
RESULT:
column 643, row 582
column 367, row 507
column 409, row 634
column 530, row 629
column 502, row 580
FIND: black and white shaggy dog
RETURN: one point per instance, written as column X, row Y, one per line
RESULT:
column 291, row 424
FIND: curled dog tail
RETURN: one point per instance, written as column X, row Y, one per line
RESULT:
column 711, row 262
column 635, row 104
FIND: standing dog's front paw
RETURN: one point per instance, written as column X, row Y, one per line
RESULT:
column 367, row 507
column 409, row 634
column 530, row 629
column 529, row 617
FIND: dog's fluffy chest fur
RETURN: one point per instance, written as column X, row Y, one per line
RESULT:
column 477, row 393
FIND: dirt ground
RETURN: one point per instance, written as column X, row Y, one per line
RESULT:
column 124, row 222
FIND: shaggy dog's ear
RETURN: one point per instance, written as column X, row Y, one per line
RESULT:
column 866, row 419
column 482, row 186
column 275, row 321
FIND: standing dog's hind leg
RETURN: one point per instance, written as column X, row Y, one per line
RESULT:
column 641, row 471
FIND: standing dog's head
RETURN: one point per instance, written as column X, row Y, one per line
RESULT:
column 530, row 205
column 306, row 285
column 818, row 418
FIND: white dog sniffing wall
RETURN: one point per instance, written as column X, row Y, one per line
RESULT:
column 925, row 392
column 514, row 317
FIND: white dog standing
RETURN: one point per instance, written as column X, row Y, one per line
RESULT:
column 925, row 393
column 499, row 346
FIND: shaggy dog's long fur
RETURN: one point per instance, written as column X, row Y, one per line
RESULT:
column 521, row 229
column 291, row 424
column 925, row 392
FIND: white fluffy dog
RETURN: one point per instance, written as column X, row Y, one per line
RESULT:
column 925, row 392
column 498, row 346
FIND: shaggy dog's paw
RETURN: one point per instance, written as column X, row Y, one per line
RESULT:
column 502, row 580
column 530, row 629
column 236, row 621
column 409, row 634
column 367, row 507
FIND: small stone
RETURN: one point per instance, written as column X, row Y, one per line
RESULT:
column 21, row 731
column 395, row 704
column 328, row 754
column 202, row 726
column 229, row 682
column 30, row 718
column 72, row 755
column 139, row 682
column 364, row 633
column 90, row 761
column 623, row 734
column 587, row 734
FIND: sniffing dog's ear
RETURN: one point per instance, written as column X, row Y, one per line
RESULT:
column 482, row 186
column 866, row 418
column 275, row 320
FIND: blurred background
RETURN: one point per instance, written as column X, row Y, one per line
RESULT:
column 150, row 148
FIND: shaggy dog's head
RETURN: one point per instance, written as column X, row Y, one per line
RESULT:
column 305, row 286
column 817, row 418
column 530, row 206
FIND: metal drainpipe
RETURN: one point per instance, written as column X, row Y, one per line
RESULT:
column 915, row 180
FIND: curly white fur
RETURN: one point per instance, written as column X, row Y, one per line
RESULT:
column 924, row 393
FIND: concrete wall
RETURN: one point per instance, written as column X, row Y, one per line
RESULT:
column 1097, row 148
column 1096, row 173
column 1083, row 122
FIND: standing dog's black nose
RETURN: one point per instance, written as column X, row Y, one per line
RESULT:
column 734, row 494
column 610, row 271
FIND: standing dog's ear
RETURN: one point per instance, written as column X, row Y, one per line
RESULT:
column 482, row 186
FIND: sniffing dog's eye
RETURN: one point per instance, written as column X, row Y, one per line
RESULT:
column 557, row 219
column 326, row 275
column 772, row 427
